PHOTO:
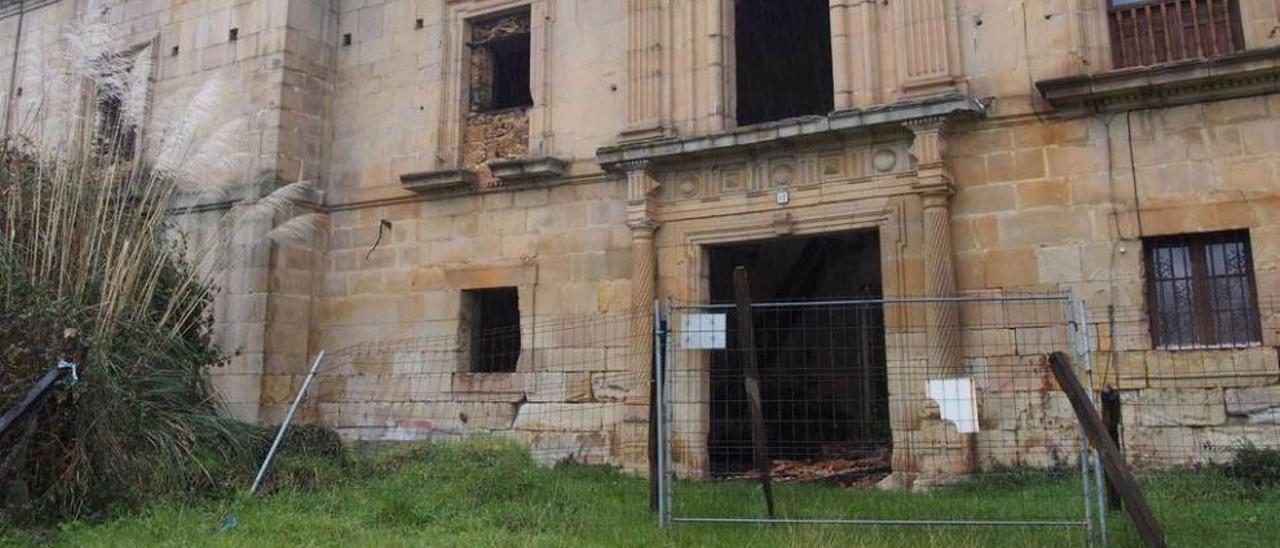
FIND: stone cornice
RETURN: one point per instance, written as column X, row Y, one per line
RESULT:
column 837, row 123
column 1253, row 72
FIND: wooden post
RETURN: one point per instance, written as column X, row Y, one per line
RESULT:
column 751, row 374
column 1111, row 418
column 1112, row 461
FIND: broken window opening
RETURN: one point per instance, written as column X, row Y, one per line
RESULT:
column 500, row 58
column 783, row 59
column 823, row 372
column 114, row 135
column 511, row 72
column 489, row 330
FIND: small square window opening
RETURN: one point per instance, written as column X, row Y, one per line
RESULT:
column 490, row 330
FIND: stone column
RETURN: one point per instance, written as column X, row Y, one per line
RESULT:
column 933, row 183
column 644, row 260
column 942, row 453
column 644, row 270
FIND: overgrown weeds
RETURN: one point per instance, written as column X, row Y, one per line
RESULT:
column 421, row 495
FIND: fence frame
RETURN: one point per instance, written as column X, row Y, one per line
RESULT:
column 1093, row 523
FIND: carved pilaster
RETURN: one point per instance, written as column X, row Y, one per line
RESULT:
column 951, row 454
column 855, row 52
column 644, row 68
column 933, row 183
column 644, row 260
column 928, row 51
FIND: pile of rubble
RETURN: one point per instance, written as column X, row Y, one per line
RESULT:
column 849, row 471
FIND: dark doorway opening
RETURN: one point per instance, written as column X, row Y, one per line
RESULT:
column 783, row 59
column 824, row 385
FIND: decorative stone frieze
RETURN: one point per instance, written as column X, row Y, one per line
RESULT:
column 734, row 175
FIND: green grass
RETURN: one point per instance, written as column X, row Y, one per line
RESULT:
column 487, row 493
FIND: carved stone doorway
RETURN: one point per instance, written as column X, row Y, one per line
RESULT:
column 823, row 367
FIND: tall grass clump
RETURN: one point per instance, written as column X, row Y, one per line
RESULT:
column 88, row 241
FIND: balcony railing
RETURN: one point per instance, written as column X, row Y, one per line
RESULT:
column 1163, row 31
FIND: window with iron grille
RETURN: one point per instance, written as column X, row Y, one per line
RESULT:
column 1151, row 32
column 490, row 329
column 1200, row 290
column 113, row 136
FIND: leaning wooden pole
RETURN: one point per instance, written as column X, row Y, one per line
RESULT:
column 751, row 374
column 1112, row 461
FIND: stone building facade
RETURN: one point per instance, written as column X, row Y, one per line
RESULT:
column 583, row 156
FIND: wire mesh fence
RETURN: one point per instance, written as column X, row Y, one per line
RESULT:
column 570, row 388
column 877, row 393
column 1176, row 405
column 875, row 397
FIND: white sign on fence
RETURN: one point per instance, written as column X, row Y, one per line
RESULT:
column 702, row 331
column 957, row 402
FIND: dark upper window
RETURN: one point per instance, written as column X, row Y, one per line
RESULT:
column 511, row 72
column 490, row 329
column 1151, row 32
column 782, row 59
column 1200, row 290
column 499, row 62
column 112, row 136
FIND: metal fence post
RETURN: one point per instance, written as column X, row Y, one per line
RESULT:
column 285, row 425
column 660, row 429
column 1099, row 492
column 668, row 361
column 1075, row 333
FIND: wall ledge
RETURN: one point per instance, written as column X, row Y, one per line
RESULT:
column 838, row 123
column 1244, row 74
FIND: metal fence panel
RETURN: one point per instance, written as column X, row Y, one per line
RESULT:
column 883, row 395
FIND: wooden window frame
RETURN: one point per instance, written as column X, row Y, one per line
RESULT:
column 1206, row 333
column 1158, row 32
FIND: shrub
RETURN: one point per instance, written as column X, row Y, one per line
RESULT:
column 1257, row 466
column 309, row 440
column 88, row 242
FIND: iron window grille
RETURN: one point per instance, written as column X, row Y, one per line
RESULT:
column 491, row 329
column 1201, row 291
